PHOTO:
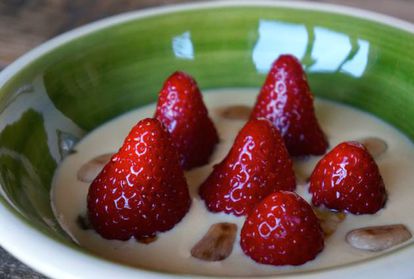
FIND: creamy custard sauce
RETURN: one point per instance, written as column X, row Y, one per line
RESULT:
column 171, row 251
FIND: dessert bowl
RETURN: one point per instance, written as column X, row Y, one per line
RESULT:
column 55, row 94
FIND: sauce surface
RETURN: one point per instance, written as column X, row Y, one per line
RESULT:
column 171, row 251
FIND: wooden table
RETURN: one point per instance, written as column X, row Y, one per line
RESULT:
column 25, row 24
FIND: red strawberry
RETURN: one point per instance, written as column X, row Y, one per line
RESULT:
column 348, row 179
column 257, row 165
column 282, row 230
column 181, row 109
column 286, row 100
column 142, row 190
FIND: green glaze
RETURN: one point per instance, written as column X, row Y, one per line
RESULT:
column 122, row 67
column 103, row 74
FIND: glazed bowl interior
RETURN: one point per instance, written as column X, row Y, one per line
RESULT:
column 95, row 74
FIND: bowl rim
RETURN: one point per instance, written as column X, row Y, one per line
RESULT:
column 66, row 37
column 62, row 261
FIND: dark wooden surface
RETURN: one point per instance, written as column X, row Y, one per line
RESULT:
column 25, row 24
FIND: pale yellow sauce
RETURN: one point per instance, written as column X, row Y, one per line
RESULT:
column 171, row 252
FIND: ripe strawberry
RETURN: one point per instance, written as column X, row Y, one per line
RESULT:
column 181, row 109
column 257, row 165
column 348, row 179
column 286, row 100
column 142, row 190
column 282, row 230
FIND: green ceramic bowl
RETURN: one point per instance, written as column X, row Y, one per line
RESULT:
column 54, row 95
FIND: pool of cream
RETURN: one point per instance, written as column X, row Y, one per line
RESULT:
column 171, row 251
